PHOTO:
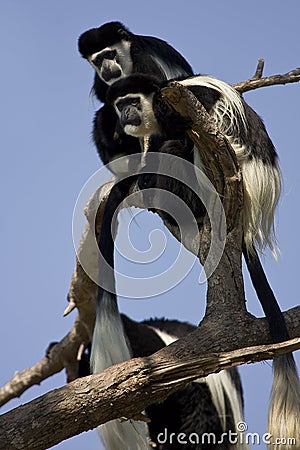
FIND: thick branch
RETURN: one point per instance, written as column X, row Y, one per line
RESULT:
column 88, row 402
column 67, row 349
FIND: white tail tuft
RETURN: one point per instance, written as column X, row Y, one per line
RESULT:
column 284, row 411
column 220, row 385
column 262, row 187
column 109, row 347
column 124, row 435
column 228, row 111
column 170, row 70
column 262, row 182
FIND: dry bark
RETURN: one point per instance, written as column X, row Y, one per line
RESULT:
column 119, row 391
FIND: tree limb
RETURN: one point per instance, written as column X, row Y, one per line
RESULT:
column 256, row 82
column 67, row 350
column 87, row 402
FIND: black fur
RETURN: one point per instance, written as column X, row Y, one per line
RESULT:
column 107, row 134
column 257, row 138
column 148, row 178
column 142, row 51
column 133, row 85
column 277, row 325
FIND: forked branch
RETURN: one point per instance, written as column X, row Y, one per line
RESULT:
column 257, row 81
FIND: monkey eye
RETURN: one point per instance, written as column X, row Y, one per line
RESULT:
column 135, row 101
column 110, row 54
column 97, row 58
column 128, row 101
column 119, row 105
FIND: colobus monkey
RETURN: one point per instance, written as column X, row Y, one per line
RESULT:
column 138, row 102
column 115, row 52
column 211, row 405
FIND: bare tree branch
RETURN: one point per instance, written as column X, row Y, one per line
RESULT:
column 257, row 82
column 90, row 401
column 67, row 350
column 259, row 69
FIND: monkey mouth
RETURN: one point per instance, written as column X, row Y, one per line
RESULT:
column 134, row 121
column 130, row 122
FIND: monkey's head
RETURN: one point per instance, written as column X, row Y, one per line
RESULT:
column 141, row 109
column 134, row 98
column 115, row 52
column 107, row 49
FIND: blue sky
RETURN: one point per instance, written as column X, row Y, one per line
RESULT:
column 47, row 156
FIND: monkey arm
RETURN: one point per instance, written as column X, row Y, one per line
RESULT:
column 109, row 137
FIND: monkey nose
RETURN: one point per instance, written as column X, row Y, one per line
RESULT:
column 129, row 117
column 109, row 74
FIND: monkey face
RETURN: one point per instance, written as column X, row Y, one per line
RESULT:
column 112, row 63
column 136, row 114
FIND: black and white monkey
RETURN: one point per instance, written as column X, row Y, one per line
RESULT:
column 209, row 405
column 115, row 52
column 142, row 112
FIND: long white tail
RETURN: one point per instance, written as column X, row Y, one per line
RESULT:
column 109, row 347
column 124, row 435
column 221, row 387
column 284, row 411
